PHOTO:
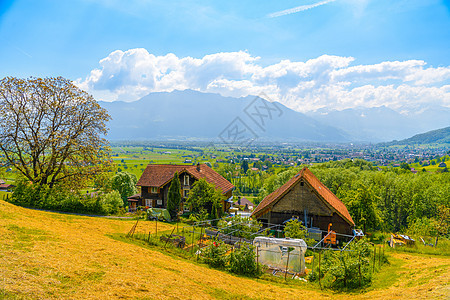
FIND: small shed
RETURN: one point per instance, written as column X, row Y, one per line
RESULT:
column 275, row 252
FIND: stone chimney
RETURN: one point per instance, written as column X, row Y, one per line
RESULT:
column 198, row 167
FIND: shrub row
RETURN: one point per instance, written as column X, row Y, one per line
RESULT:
column 62, row 199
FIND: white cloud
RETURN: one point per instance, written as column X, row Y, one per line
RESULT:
column 332, row 82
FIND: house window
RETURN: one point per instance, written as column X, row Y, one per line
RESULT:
column 154, row 190
column 185, row 193
column 186, row 179
column 159, row 202
column 148, row 202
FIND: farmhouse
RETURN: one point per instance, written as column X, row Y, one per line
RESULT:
column 155, row 182
column 305, row 197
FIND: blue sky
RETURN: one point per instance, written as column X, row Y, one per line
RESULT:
column 70, row 38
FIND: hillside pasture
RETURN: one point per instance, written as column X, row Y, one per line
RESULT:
column 47, row 255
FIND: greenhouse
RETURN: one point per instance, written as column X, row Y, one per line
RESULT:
column 281, row 254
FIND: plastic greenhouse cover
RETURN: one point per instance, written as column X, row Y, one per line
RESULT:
column 159, row 212
column 287, row 242
column 279, row 253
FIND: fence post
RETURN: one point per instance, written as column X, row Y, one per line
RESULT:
column 320, row 283
column 374, row 253
column 257, row 255
column 359, row 268
column 345, row 269
column 300, row 260
column 287, row 265
column 169, row 237
column 148, row 239
column 379, row 258
column 193, row 231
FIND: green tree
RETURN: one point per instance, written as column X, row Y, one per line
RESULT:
column 243, row 261
column 204, row 195
column 294, row 229
column 174, row 196
column 111, row 202
column 125, row 184
column 51, row 131
column 361, row 205
column 405, row 166
column 244, row 166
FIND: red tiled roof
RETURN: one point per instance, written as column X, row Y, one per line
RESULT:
column 328, row 197
column 159, row 175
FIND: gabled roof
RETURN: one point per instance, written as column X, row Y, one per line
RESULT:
column 244, row 201
column 327, row 196
column 4, row 186
column 135, row 197
column 159, row 175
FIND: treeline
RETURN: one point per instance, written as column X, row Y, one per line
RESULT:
column 389, row 199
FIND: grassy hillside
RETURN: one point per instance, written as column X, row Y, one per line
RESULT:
column 49, row 255
column 439, row 136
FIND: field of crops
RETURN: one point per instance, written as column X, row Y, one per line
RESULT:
column 50, row 255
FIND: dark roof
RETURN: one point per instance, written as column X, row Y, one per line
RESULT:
column 327, row 196
column 245, row 201
column 5, row 186
column 159, row 175
column 135, row 197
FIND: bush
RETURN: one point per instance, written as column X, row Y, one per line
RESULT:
column 423, row 227
column 243, row 261
column 215, row 255
column 201, row 215
column 111, row 202
column 341, row 269
column 243, row 227
column 294, row 229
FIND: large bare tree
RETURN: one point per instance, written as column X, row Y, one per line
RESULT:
column 51, row 131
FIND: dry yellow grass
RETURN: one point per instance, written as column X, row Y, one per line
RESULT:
column 47, row 255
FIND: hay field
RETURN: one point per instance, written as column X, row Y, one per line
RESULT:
column 47, row 255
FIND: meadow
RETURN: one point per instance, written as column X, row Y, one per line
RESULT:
column 47, row 255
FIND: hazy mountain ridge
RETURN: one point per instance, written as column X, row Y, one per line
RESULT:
column 193, row 115
column 382, row 124
column 438, row 136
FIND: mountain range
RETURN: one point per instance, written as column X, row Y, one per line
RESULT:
column 188, row 114
column 192, row 115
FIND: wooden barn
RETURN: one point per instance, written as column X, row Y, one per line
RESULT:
column 308, row 199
